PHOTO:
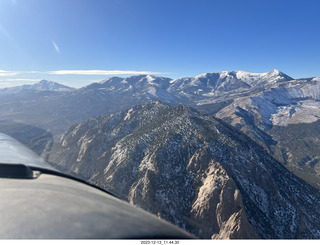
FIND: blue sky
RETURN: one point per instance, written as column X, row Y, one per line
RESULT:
column 76, row 42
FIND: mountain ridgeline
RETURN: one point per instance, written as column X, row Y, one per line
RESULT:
column 217, row 154
column 193, row 170
column 278, row 112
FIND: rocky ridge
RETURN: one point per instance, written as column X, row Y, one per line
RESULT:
column 193, row 170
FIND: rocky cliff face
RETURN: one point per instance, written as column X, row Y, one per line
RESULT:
column 193, row 170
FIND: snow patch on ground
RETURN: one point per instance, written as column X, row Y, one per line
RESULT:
column 304, row 112
column 127, row 117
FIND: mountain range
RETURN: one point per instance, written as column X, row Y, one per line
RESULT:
column 276, row 111
column 210, row 153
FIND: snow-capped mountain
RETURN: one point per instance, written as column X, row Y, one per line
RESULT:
column 138, row 86
column 193, row 170
column 43, row 85
column 214, row 87
column 202, row 89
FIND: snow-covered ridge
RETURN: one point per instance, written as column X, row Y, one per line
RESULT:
column 249, row 77
column 202, row 86
column 43, row 85
column 208, row 88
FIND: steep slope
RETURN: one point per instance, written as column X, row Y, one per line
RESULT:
column 283, row 119
column 192, row 170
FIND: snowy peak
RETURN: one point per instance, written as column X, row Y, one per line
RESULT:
column 144, row 81
column 274, row 72
column 138, row 82
column 277, row 76
column 45, row 85
column 190, row 90
column 248, row 77
column 210, row 86
column 255, row 78
column 234, row 76
column 144, row 87
column 315, row 79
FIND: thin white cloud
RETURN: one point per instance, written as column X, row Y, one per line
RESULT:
column 4, row 73
column 100, row 72
column 56, row 47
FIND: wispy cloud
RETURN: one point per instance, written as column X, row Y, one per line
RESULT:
column 100, row 72
column 56, row 47
column 4, row 73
